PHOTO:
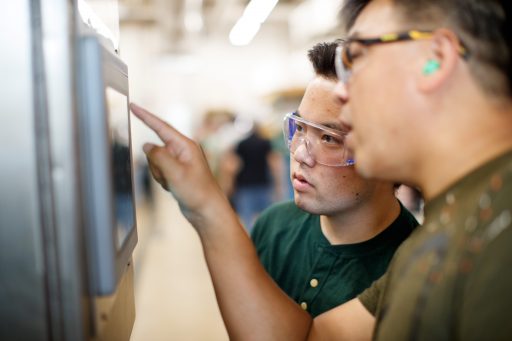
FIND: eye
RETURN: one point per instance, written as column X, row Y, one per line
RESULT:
column 332, row 140
column 299, row 128
column 354, row 51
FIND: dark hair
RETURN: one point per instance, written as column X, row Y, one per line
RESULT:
column 322, row 58
column 480, row 24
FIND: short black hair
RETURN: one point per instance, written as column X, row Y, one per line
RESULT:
column 322, row 57
column 481, row 24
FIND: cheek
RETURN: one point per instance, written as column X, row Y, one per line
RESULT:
column 338, row 182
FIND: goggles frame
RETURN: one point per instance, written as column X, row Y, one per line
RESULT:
column 288, row 136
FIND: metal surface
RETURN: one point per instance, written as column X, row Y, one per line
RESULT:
column 23, row 314
column 44, row 293
column 69, row 300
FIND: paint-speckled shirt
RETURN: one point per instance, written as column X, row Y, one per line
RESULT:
column 452, row 279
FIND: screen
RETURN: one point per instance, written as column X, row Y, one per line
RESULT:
column 118, row 119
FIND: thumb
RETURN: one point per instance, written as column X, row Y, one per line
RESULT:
column 166, row 164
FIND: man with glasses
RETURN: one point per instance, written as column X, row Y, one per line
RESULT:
column 443, row 123
column 341, row 230
column 433, row 112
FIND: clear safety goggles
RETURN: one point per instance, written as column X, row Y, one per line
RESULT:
column 325, row 145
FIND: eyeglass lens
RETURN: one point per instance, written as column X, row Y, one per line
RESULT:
column 341, row 62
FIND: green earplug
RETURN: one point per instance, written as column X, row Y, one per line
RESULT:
column 431, row 66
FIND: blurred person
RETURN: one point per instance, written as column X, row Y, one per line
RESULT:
column 342, row 230
column 278, row 144
column 441, row 123
column 217, row 136
column 257, row 180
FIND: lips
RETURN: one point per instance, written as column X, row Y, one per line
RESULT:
column 300, row 183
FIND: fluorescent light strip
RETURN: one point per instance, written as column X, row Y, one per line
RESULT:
column 246, row 28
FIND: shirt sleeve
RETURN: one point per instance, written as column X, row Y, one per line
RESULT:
column 371, row 296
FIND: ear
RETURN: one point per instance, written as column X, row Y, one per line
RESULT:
column 440, row 62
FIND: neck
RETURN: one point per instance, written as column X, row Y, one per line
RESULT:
column 360, row 223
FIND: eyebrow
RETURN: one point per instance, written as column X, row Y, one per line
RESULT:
column 334, row 126
column 331, row 125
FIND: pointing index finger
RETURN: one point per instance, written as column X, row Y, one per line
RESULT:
column 166, row 132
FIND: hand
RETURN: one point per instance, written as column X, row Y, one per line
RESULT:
column 180, row 167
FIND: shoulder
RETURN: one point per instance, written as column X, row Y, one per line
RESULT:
column 485, row 260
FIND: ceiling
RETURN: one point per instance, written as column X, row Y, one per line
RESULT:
column 186, row 23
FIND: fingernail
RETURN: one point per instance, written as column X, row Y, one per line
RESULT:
column 134, row 106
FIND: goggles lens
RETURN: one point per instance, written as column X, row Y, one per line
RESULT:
column 325, row 145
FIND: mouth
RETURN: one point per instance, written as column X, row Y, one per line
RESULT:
column 300, row 183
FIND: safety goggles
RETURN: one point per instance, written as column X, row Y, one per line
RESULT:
column 351, row 48
column 325, row 145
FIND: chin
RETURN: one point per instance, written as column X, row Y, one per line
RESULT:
column 310, row 206
column 300, row 201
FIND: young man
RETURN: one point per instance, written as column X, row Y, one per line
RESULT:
column 433, row 109
column 342, row 230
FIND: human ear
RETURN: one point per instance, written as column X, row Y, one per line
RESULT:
column 440, row 62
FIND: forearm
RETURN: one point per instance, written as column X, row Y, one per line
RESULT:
column 252, row 305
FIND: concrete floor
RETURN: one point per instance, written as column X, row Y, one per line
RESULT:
column 174, row 295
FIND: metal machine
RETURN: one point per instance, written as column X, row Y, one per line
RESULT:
column 67, row 211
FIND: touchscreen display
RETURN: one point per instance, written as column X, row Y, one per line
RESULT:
column 117, row 107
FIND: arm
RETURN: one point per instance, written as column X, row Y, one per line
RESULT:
column 349, row 321
column 252, row 306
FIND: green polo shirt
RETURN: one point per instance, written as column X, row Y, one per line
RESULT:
column 317, row 275
column 452, row 280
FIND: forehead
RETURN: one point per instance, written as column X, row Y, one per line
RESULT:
column 377, row 18
column 320, row 103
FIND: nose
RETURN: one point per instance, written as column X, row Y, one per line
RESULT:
column 341, row 92
column 342, row 95
column 302, row 155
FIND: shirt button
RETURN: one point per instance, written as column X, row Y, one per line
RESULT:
column 304, row 305
column 313, row 283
